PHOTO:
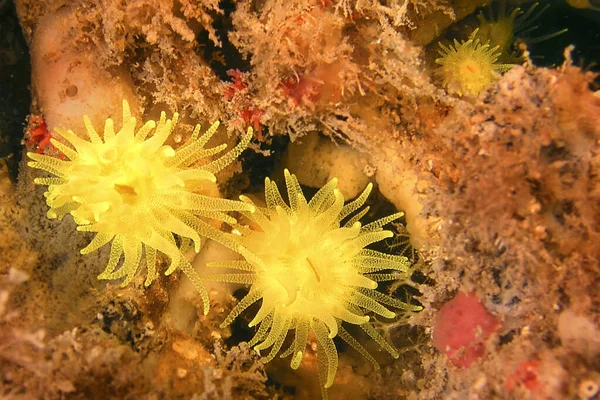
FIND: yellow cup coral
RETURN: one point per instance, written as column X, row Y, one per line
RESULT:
column 137, row 192
column 469, row 67
column 313, row 272
column 503, row 29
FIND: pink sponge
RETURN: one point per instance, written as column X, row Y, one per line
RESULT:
column 461, row 328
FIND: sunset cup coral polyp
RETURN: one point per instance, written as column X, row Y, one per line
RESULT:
column 308, row 262
column 468, row 67
column 139, row 194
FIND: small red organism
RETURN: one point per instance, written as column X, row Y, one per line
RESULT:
column 525, row 375
column 302, row 90
column 461, row 328
column 38, row 137
column 320, row 86
column 252, row 117
column 248, row 113
column 237, row 84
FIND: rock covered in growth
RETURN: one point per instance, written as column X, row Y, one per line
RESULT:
column 341, row 67
column 516, row 180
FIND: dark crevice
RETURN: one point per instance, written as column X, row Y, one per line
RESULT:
column 15, row 75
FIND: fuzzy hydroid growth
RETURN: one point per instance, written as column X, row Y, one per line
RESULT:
column 313, row 272
column 139, row 194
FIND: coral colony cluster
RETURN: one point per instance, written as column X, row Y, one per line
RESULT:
column 306, row 260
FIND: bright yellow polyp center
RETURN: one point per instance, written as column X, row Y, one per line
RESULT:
column 469, row 67
column 308, row 262
column 139, row 194
column 129, row 184
column 313, row 269
column 302, row 255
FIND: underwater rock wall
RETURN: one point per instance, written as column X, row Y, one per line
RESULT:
column 496, row 294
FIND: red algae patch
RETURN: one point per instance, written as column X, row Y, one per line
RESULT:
column 461, row 328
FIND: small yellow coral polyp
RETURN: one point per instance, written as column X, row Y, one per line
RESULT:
column 313, row 272
column 469, row 67
column 503, row 28
column 137, row 192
